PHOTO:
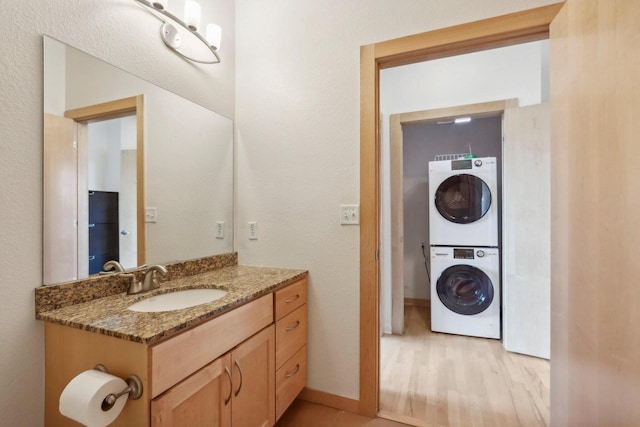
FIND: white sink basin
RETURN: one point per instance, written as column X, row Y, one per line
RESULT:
column 177, row 300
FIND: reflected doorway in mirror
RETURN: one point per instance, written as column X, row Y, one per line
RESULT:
column 81, row 235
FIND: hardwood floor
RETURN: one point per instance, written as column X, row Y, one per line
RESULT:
column 433, row 379
column 305, row 414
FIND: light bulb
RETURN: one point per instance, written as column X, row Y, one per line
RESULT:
column 214, row 35
column 192, row 14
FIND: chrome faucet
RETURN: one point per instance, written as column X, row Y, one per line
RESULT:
column 112, row 266
column 150, row 280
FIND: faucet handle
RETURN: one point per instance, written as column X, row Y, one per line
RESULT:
column 135, row 286
column 151, row 279
column 112, row 266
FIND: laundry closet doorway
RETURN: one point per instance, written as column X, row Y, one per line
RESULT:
column 523, row 189
column 593, row 64
column 437, row 378
column 386, row 127
column 431, row 134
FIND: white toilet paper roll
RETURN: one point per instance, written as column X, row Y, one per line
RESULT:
column 82, row 398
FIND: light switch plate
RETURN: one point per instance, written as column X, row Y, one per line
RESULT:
column 253, row 230
column 151, row 215
column 219, row 229
column 349, row 214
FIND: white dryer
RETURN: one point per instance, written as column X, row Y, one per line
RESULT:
column 463, row 206
column 465, row 291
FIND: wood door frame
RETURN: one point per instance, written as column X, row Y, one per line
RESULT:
column 396, row 143
column 521, row 27
column 113, row 110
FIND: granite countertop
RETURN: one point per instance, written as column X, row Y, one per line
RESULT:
column 110, row 316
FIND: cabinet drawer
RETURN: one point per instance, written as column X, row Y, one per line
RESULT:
column 291, row 334
column 291, row 378
column 179, row 357
column 290, row 298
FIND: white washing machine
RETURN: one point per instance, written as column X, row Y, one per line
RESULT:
column 463, row 205
column 465, row 291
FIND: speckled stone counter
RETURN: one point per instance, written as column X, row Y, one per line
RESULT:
column 53, row 297
column 110, row 316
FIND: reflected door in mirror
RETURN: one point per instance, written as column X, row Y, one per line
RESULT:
column 60, row 220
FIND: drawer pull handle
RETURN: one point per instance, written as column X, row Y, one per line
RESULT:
column 292, row 299
column 228, row 398
column 292, row 373
column 295, row 325
column 240, row 372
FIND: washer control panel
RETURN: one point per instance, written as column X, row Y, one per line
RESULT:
column 463, row 253
column 479, row 254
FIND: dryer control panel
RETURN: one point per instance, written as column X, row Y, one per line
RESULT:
column 457, row 165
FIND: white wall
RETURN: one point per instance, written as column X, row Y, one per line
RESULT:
column 54, row 78
column 497, row 74
column 120, row 32
column 104, row 155
column 297, row 117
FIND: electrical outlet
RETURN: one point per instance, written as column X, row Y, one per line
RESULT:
column 253, row 231
column 219, row 229
column 151, row 215
column 349, row 214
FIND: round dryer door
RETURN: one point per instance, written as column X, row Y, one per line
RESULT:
column 464, row 289
column 463, row 199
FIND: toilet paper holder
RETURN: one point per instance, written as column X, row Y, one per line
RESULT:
column 134, row 388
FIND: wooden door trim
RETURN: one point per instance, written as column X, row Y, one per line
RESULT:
column 106, row 110
column 113, row 110
column 140, row 200
column 528, row 25
column 506, row 30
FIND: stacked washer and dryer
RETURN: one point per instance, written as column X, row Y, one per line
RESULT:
column 465, row 258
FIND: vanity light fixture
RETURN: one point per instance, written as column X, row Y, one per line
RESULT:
column 462, row 120
column 171, row 35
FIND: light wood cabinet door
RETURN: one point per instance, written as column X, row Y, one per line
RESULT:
column 253, row 365
column 203, row 399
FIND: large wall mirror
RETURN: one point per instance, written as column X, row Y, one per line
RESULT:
column 132, row 172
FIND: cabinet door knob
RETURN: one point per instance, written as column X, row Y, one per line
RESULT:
column 228, row 398
column 293, row 372
column 240, row 372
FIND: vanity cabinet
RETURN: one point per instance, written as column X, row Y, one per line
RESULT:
column 291, row 344
column 236, row 390
column 240, row 369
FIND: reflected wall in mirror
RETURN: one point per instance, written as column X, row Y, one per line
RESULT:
column 132, row 172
